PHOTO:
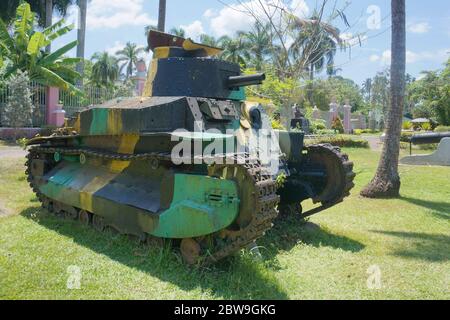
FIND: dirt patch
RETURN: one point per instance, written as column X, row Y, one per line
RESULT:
column 12, row 152
column 375, row 143
column 3, row 211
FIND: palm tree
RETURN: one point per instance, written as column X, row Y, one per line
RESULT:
column 162, row 15
column 105, row 70
column 386, row 182
column 209, row 40
column 48, row 18
column 23, row 49
column 234, row 50
column 315, row 46
column 258, row 43
column 179, row 32
column 81, row 36
column 367, row 89
column 128, row 56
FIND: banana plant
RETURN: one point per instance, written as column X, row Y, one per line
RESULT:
column 23, row 48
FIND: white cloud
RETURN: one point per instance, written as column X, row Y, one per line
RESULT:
column 193, row 30
column 374, row 58
column 352, row 40
column 386, row 57
column 209, row 13
column 114, row 48
column 412, row 57
column 422, row 27
column 299, row 8
column 237, row 17
column 117, row 13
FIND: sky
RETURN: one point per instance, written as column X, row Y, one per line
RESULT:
column 111, row 23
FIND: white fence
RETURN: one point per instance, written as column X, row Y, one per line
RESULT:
column 71, row 103
column 38, row 98
column 92, row 96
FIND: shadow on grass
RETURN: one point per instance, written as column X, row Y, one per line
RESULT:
column 237, row 277
column 289, row 231
column 425, row 246
column 439, row 209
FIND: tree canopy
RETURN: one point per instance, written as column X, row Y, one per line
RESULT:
column 24, row 49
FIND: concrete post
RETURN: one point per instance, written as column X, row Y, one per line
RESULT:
column 372, row 120
column 54, row 114
column 141, row 76
column 315, row 113
column 347, row 117
column 362, row 121
column 333, row 113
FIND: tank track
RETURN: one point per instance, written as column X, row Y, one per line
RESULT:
column 228, row 242
column 347, row 175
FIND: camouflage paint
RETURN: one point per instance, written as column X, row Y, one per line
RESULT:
column 200, row 204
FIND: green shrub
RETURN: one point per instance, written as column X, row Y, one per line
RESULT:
column 276, row 124
column 337, row 125
column 325, row 132
column 361, row 131
column 431, row 146
column 343, row 141
column 317, row 125
column 426, row 126
column 407, row 125
column 442, row 129
column 406, row 135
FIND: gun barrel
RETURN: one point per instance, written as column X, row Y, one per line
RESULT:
column 248, row 80
column 426, row 138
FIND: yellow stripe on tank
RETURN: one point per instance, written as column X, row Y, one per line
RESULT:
column 161, row 52
column 152, row 70
column 126, row 146
column 93, row 186
column 114, row 121
column 188, row 45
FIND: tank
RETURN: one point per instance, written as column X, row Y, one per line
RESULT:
column 191, row 160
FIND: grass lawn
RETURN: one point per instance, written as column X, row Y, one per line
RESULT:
column 334, row 255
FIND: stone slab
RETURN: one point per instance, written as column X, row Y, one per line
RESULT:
column 441, row 157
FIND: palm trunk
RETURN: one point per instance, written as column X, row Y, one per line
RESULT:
column 48, row 19
column 162, row 15
column 386, row 182
column 310, row 87
column 81, row 36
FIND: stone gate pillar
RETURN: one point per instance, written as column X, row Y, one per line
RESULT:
column 141, row 76
column 347, row 117
column 54, row 113
column 315, row 113
column 333, row 113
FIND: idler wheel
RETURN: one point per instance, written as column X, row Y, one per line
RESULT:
column 98, row 222
column 190, row 250
column 85, row 217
